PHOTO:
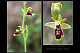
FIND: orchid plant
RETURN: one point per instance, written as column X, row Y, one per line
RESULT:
column 23, row 29
column 57, row 25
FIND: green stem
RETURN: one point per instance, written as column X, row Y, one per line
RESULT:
column 25, row 45
column 23, row 33
column 58, row 42
column 23, row 29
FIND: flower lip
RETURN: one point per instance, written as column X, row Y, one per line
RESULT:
column 18, row 32
column 29, row 13
column 58, row 25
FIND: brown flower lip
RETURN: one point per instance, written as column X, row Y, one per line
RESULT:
column 29, row 13
column 58, row 32
column 18, row 32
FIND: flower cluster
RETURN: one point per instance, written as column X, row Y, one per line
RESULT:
column 27, row 12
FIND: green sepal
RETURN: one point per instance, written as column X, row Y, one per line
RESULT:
column 65, row 26
column 51, row 25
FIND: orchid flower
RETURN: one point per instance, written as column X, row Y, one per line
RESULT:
column 57, row 25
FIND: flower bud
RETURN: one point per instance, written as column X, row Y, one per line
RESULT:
column 55, row 9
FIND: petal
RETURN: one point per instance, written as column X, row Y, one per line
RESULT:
column 51, row 24
column 65, row 26
column 53, row 19
column 17, row 30
column 33, row 14
column 63, row 20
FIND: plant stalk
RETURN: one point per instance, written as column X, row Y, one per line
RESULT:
column 24, row 34
column 58, row 42
column 25, row 45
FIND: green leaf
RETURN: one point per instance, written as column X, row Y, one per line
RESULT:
column 51, row 24
column 23, row 11
column 26, row 31
column 59, row 18
column 65, row 26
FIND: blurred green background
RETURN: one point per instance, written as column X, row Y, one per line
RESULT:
column 14, row 19
column 66, row 12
